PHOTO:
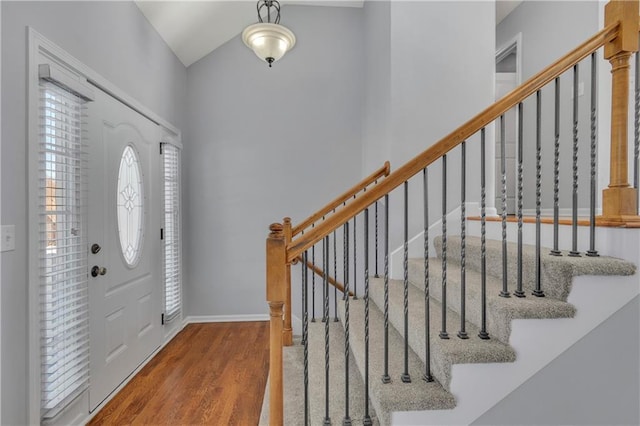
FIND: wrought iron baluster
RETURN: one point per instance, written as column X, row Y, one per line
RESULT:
column 519, row 292
column 538, row 290
column 483, row 246
column 556, row 172
column 406, row 378
column 313, row 284
column 305, row 335
column 355, row 258
column 335, row 276
column 376, row 240
column 385, row 376
column 427, row 320
column 636, row 144
column 325, row 261
column 503, row 170
column 367, row 419
column 574, row 209
column 345, row 271
column 462, row 333
column 443, row 331
column 592, row 252
column 347, row 419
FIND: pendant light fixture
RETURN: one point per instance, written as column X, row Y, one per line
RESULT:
column 269, row 40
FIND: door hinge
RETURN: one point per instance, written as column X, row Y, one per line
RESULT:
column 162, row 319
column 162, row 233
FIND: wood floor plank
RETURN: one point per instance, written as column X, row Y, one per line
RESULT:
column 209, row 374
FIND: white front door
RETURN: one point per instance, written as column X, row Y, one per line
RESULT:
column 124, row 243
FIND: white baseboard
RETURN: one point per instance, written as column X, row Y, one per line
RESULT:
column 224, row 318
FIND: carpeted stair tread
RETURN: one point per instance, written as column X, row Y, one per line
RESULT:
column 394, row 396
column 557, row 271
column 500, row 310
column 293, row 387
column 444, row 352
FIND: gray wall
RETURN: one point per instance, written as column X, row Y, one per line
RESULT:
column 271, row 143
column 596, row 381
column 549, row 30
column 115, row 40
column 442, row 74
column 376, row 117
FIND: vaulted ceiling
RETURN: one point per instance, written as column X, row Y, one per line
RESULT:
column 193, row 29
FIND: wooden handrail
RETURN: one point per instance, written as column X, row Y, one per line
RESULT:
column 320, row 273
column 446, row 144
column 363, row 184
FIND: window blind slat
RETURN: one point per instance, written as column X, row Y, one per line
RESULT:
column 64, row 301
column 171, row 248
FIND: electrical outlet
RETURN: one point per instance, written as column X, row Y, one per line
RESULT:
column 7, row 238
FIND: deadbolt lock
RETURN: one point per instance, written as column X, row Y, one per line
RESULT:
column 95, row 248
column 97, row 270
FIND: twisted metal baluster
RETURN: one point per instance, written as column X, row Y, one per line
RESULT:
column 385, row 376
column 345, row 240
column 592, row 252
column 427, row 320
column 367, row 419
column 347, row 419
column 538, row 290
column 313, row 284
column 519, row 292
column 503, row 170
column 325, row 261
column 305, row 335
column 462, row 333
column 483, row 246
column 574, row 222
column 376, row 240
column 636, row 144
column 405, row 377
column 556, row 172
column 335, row 275
column 443, row 333
column 355, row 259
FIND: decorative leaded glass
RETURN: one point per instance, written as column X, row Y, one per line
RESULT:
column 130, row 206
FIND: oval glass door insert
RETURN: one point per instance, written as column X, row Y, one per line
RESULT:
column 130, row 206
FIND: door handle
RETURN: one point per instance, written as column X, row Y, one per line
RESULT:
column 97, row 270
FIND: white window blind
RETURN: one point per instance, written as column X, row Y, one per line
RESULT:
column 64, row 299
column 171, row 242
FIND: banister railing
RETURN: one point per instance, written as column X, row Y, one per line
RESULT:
column 452, row 140
column 288, row 244
column 319, row 272
column 346, row 196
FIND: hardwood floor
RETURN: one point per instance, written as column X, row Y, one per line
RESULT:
column 209, row 374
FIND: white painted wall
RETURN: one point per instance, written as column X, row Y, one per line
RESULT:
column 114, row 39
column 264, row 144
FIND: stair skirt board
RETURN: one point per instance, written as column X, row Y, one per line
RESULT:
column 473, row 375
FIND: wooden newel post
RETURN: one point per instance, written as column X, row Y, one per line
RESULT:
column 276, row 294
column 287, row 334
column 620, row 200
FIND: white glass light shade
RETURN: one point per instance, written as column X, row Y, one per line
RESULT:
column 268, row 41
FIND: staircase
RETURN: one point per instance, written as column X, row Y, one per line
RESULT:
column 462, row 330
column 558, row 277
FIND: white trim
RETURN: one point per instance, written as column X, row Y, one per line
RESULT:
column 1, row 286
column 507, row 48
column 200, row 319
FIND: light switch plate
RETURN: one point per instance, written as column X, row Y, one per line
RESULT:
column 7, row 238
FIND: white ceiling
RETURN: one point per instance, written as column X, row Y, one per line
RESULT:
column 193, row 29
